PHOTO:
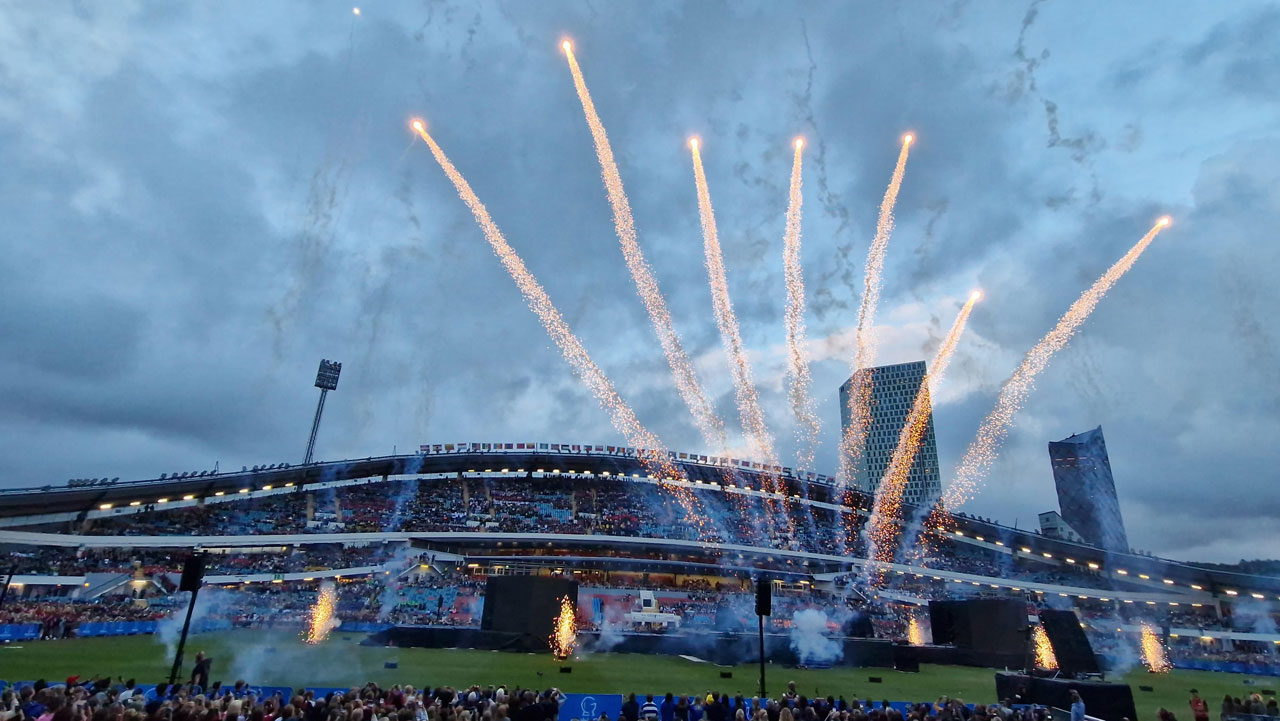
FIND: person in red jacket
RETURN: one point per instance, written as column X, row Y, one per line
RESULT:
column 1199, row 707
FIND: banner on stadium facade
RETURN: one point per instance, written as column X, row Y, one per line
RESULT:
column 589, row 706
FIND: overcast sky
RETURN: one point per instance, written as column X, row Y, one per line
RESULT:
column 201, row 200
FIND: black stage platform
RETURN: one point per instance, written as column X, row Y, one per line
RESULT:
column 721, row 648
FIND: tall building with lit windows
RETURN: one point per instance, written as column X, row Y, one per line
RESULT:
column 893, row 391
column 1087, row 491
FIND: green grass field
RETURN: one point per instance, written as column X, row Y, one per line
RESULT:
column 282, row 659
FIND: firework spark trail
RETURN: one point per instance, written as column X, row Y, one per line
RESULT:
column 854, row 439
column 883, row 527
column 1045, row 657
column 1153, row 651
column 807, row 424
column 727, row 321
column 749, row 410
column 985, row 447
column 650, row 450
column 710, row 424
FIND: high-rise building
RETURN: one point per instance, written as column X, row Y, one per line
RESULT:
column 1087, row 491
column 893, row 391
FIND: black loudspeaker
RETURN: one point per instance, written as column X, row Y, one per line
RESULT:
column 1108, row 701
column 859, row 626
column 906, row 658
column 764, row 598
column 192, row 573
column 527, row 605
column 1070, row 645
column 986, row 625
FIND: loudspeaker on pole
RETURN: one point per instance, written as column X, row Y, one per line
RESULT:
column 764, row 598
column 192, row 573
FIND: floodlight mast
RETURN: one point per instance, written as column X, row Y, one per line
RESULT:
column 326, row 380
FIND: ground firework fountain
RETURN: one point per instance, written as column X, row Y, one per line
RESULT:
column 565, row 638
column 1045, row 657
column 1153, row 653
column 322, row 619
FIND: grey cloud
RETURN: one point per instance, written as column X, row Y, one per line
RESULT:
column 244, row 164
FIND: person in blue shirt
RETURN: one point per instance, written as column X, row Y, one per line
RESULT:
column 1077, row 706
column 667, row 709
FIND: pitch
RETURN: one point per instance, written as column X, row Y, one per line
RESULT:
column 283, row 659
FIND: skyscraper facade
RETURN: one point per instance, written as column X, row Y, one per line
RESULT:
column 893, row 391
column 1087, row 491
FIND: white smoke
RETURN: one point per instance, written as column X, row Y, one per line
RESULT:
column 1254, row 616
column 611, row 634
column 809, row 639
column 169, row 628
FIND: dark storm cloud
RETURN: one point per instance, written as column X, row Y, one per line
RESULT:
column 200, row 202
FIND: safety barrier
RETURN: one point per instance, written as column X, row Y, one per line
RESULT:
column 1253, row 669
column 19, row 631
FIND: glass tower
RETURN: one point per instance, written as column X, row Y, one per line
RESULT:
column 1086, row 490
column 893, row 390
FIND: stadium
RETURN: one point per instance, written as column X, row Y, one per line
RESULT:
column 410, row 543
column 539, row 580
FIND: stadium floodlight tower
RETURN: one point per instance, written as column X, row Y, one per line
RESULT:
column 326, row 380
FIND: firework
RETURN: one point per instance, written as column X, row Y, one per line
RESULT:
column 727, row 321
column 854, row 438
column 915, row 632
column 1153, row 652
column 322, row 619
column 749, row 410
column 565, row 637
column 985, row 447
column 883, row 526
column 650, row 450
column 807, row 424
column 1045, row 657
column 710, row 424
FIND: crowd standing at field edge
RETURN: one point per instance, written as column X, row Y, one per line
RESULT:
column 103, row 700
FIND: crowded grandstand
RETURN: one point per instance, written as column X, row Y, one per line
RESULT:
column 410, row 541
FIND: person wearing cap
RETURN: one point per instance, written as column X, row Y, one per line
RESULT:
column 1199, row 707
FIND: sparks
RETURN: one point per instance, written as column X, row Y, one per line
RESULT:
column 915, row 633
column 1045, row 657
column 985, row 447
column 1154, row 656
column 650, row 450
column 704, row 414
column 749, row 411
column 808, row 427
column 565, row 637
column 883, row 527
column 854, row 439
column 727, row 321
column 322, row 619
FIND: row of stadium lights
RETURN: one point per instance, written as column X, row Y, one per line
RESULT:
column 1032, row 590
column 188, row 497
column 1091, row 565
column 637, row 476
column 1097, row 567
